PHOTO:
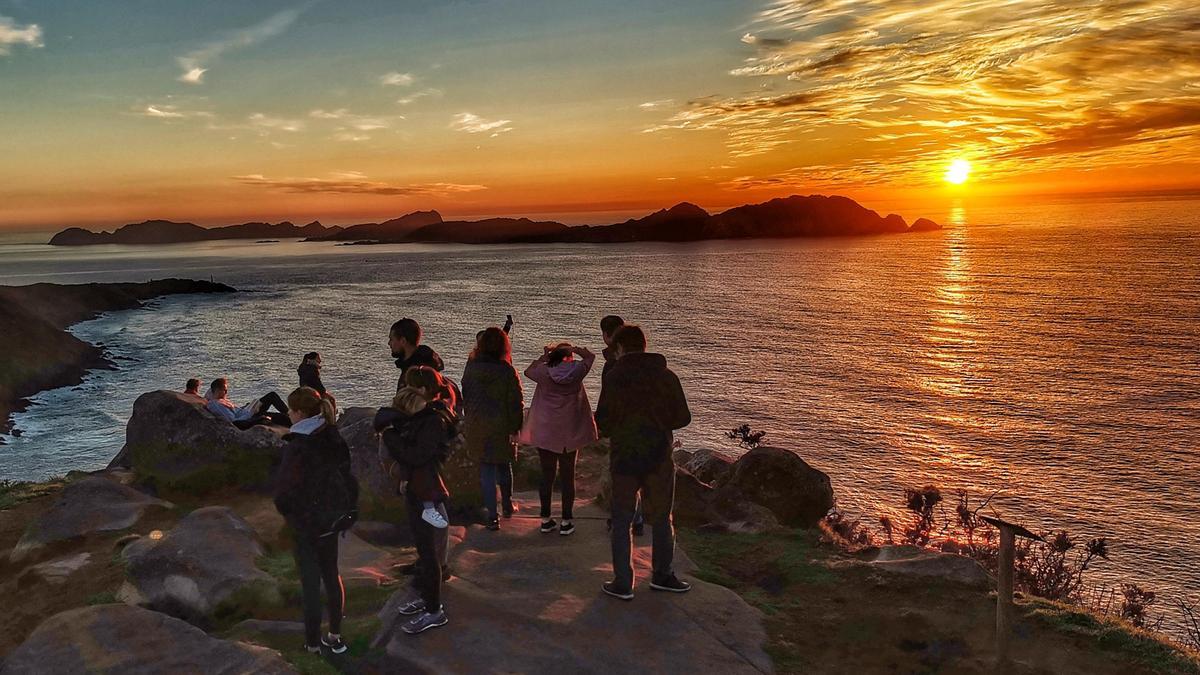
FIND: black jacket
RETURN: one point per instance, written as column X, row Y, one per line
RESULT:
column 492, row 409
column 310, row 376
column 313, row 467
column 610, row 360
column 423, row 356
column 641, row 403
column 419, row 443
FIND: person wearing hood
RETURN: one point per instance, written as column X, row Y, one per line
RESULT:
column 609, row 326
column 417, row 434
column 317, row 496
column 560, row 423
column 641, row 404
column 492, row 411
column 310, row 373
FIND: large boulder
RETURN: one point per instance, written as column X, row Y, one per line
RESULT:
column 207, row 559
column 378, row 498
column 123, row 639
column 710, row 466
column 781, row 482
column 698, row 504
column 174, row 443
column 90, row 505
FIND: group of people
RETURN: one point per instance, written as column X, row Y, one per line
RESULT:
column 641, row 404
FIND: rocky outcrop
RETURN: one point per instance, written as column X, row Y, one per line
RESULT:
column 122, row 639
column 710, row 466
column 781, row 482
column 173, row 443
column 917, row 562
column 924, row 225
column 91, row 505
column 205, row 560
column 36, row 352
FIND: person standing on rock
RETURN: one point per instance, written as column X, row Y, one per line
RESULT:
column 317, row 496
column 493, row 414
column 422, row 439
column 404, row 339
column 560, row 423
column 609, row 326
column 641, row 404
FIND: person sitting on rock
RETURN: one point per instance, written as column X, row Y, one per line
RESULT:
column 641, row 404
column 192, row 388
column 422, row 439
column 423, row 481
column 251, row 414
column 310, row 376
column 317, row 496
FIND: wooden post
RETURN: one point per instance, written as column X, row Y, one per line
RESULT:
column 1004, row 593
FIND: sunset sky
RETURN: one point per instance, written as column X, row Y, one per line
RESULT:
column 223, row 111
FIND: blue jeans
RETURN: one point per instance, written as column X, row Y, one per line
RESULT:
column 491, row 475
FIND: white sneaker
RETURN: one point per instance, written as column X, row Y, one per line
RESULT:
column 435, row 518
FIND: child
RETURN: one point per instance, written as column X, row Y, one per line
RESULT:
column 424, row 392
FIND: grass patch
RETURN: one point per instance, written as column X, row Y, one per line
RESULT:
column 1111, row 635
column 105, row 598
column 16, row 492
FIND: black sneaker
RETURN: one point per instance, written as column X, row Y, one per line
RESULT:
column 548, row 526
column 566, row 528
column 493, row 524
column 610, row 587
column 424, row 621
column 669, row 583
column 639, row 529
column 412, row 607
column 335, row 643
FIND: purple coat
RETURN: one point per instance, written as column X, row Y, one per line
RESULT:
column 560, row 417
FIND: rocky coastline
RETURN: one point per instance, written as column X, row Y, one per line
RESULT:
column 173, row 559
column 37, row 353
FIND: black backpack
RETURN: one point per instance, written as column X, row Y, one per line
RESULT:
column 334, row 504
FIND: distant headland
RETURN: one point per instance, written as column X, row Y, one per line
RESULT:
column 787, row 217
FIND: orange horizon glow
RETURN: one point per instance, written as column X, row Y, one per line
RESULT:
column 568, row 113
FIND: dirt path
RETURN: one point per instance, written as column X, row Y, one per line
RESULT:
column 523, row 601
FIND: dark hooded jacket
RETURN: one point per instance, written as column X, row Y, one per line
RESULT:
column 641, row 403
column 493, row 409
column 310, row 376
column 422, row 356
column 314, row 466
column 610, row 360
column 419, row 444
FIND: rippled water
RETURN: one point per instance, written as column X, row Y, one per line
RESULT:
column 1049, row 353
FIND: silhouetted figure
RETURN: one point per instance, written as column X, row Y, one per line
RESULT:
column 641, row 404
column 492, row 411
column 318, row 497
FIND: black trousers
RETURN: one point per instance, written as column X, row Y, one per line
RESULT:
column 428, row 577
column 316, row 560
column 265, row 416
column 563, row 464
column 657, row 489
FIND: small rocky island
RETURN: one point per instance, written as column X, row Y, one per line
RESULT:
column 795, row 216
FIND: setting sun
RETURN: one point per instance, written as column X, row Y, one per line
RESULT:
column 958, row 171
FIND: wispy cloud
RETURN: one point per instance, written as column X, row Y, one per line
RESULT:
column 268, row 123
column 11, row 34
column 196, row 63
column 397, row 79
column 168, row 111
column 655, row 105
column 1011, row 83
column 353, row 182
column 416, row 96
column 350, row 127
column 474, row 124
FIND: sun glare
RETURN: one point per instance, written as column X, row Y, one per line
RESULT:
column 958, row 171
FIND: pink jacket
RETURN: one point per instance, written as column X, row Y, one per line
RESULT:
column 560, row 417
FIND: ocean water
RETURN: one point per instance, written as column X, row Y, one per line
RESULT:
column 1049, row 353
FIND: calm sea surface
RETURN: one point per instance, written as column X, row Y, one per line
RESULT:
column 1051, row 353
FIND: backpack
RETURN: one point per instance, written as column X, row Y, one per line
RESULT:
column 334, row 504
